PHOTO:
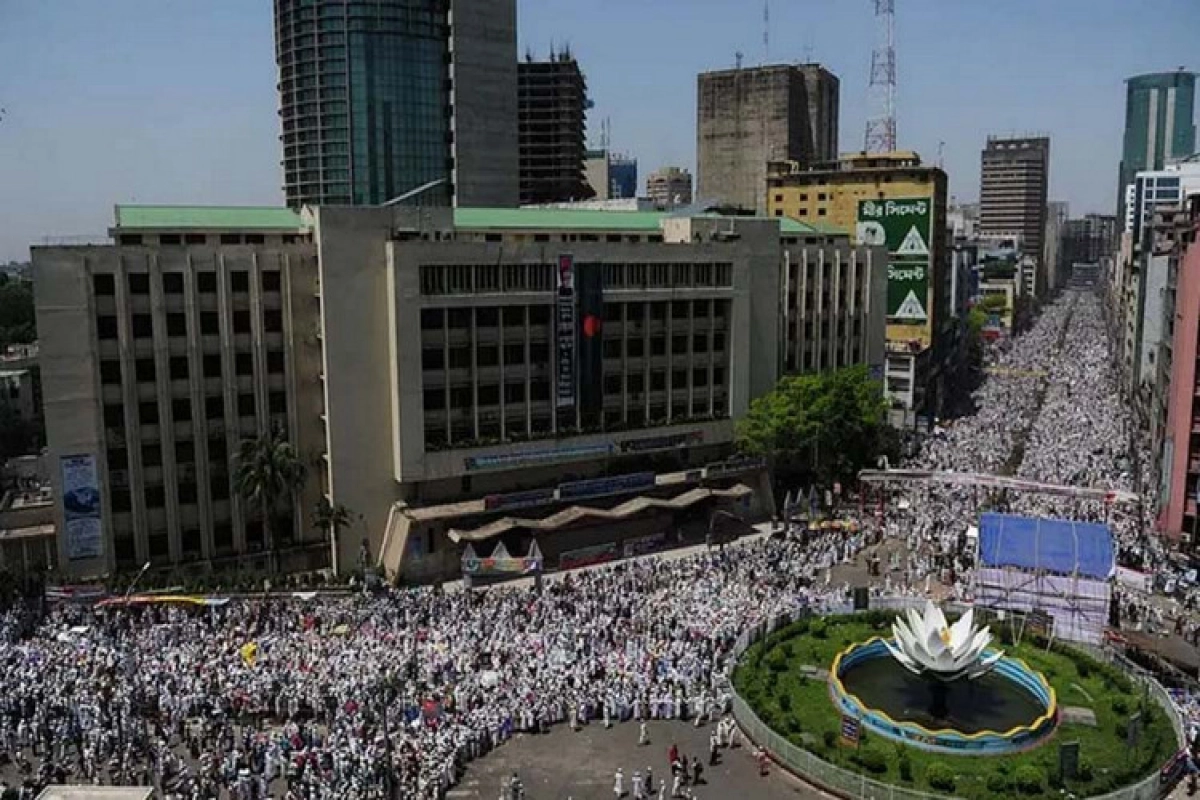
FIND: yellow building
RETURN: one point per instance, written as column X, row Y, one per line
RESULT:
column 888, row 199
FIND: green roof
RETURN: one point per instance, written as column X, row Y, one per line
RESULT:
column 557, row 218
column 595, row 220
column 284, row 219
column 208, row 217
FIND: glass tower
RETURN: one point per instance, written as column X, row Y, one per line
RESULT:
column 1159, row 124
column 364, row 99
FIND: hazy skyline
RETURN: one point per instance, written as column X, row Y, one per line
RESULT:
column 174, row 101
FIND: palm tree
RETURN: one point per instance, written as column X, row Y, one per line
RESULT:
column 268, row 471
column 331, row 519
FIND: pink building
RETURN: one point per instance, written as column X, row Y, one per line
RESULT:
column 1181, row 451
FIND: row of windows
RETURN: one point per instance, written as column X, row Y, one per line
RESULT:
column 444, row 279
column 463, row 432
column 181, row 409
column 104, row 284
column 142, row 325
column 178, row 368
column 434, row 319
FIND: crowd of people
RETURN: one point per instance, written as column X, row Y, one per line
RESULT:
column 391, row 694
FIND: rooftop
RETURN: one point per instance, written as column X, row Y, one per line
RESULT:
column 207, row 217
column 284, row 219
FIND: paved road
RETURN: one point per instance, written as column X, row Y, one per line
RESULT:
column 563, row 764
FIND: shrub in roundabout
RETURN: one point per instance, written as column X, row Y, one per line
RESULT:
column 940, row 777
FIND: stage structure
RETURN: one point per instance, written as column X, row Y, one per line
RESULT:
column 1059, row 567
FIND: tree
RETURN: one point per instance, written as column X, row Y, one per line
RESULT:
column 17, row 323
column 268, row 471
column 331, row 519
column 823, row 427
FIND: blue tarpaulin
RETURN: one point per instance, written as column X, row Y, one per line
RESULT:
column 1054, row 545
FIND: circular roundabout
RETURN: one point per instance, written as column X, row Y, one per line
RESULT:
column 920, row 702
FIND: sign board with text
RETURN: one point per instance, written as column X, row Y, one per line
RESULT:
column 904, row 227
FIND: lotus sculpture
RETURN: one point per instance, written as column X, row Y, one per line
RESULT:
column 926, row 645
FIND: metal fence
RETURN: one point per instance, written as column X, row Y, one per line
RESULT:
column 852, row 784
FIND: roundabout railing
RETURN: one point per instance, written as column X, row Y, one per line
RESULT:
column 843, row 782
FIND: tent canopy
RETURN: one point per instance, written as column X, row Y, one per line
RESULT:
column 1053, row 545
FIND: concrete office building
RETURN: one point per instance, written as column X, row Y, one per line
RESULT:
column 1152, row 190
column 553, row 130
column 669, row 187
column 860, row 192
column 612, row 176
column 749, row 117
column 1013, row 194
column 420, row 378
column 1087, row 239
column 1159, row 125
column 380, row 98
column 195, row 330
column 1179, row 385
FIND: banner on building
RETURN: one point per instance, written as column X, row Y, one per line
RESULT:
column 587, row 556
column 81, row 507
column 599, row 487
column 903, row 226
column 564, row 391
column 513, row 500
column 589, row 342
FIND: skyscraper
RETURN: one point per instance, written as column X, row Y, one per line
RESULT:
column 748, row 117
column 381, row 97
column 1013, row 193
column 1159, row 124
column 553, row 130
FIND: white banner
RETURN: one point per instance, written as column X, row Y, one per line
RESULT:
column 81, row 507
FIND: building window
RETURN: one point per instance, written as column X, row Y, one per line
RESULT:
column 114, row 416
column 176, row 325
column 277, row 402
column 275, row 362
column 206, row 282
column 241, row 321
column 181, row 410
column 151, row 455
column 110, row 372
column 273, row 321
column 144, row 369
column 139, row 283
column 245, row 404
column 172, row 282
column 178, row 367
column 143, row 326
column 103, row 285
column 148, row 412
column 239, row 280
column 244, row 364
column 271, row 280
column 214, row 407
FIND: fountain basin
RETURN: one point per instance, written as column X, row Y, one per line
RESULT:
column 1011, row 708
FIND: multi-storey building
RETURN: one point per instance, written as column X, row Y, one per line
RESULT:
column 436, row 369
column 749, row 117
column 669, row 187
column 1178, row 454
column 1013, row 194
column 553, row 130
column 381, row 98
column 1159, row 125
column 1088, row 239
column 889, row 199
column 160, row 353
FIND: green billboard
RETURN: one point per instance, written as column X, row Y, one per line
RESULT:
column 902, row 225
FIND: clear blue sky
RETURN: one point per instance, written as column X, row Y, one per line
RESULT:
column 173, row 101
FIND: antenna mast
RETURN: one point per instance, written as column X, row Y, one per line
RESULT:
column 766, row 32
column 881, row 126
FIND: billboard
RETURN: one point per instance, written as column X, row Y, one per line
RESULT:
column 902, row 225
column 81, row 507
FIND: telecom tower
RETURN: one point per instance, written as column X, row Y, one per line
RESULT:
column 881, row 125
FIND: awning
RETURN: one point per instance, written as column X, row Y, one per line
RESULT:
column 567, row 516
